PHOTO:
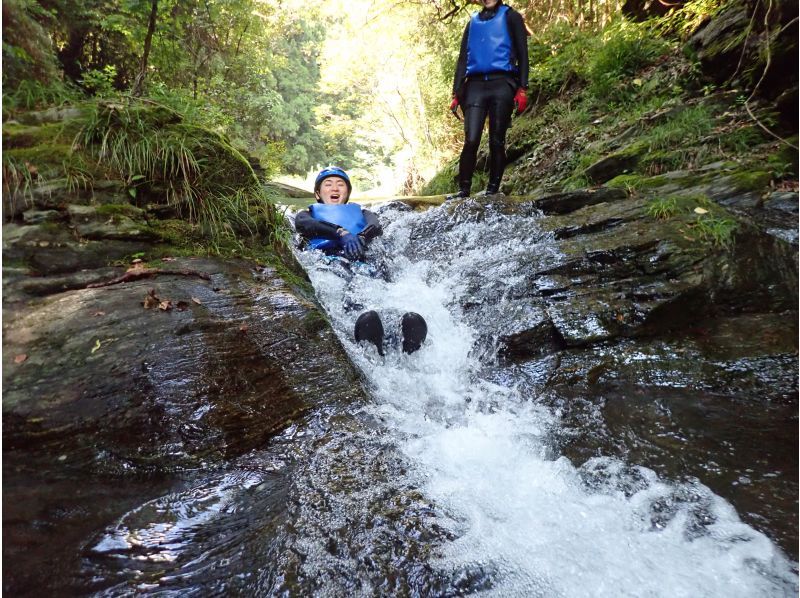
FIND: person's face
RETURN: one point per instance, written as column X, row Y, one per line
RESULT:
column 490, row 4
column 333, row 190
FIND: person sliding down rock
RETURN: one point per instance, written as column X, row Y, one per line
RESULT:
column 344, row 230
column 491, row 78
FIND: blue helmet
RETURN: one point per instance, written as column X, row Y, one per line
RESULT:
column 329, row 172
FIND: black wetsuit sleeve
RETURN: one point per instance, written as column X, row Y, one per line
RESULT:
column 373, row 228
column 461, row 65
column 519, row 37
column 310, row 228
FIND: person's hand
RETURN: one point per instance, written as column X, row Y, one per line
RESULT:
column 454, row 107
column 353, row 246
column 521, row 100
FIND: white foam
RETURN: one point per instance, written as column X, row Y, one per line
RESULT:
column 482, row 454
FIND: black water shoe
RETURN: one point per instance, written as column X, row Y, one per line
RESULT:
column 460, row 195
column 415, row 330
column 370, row 328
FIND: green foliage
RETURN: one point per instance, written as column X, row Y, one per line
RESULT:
column 30, row 94
column 557, row 57
column 27, row 49
column 625, row 49
column 606, row 61
column 784, row 162
column 685, row 20
column 664, row 208
column 717, row 231
column 100, row 82
column 685, row 127
column 443, row 182
column 205, row 179
column 707, row 220
column 18, row 183
column 742, row 139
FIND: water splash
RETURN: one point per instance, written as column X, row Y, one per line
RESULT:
column 524, row 520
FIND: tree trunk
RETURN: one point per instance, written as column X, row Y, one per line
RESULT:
column 138, row 86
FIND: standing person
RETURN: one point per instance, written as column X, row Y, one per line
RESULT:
column 491, row 78
column 342, row 229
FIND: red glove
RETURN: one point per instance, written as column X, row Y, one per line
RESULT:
column 454, row 104
column 521, row 100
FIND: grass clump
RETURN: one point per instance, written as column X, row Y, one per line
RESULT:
column 663, row 208
column 707, row 221
column 715, row 230
column 624, row 49
column 18, row 183
column 207, row 181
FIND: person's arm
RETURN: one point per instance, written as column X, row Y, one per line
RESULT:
column 373, row 228
column 519, row 37
column 311, row 228
column 461, row 65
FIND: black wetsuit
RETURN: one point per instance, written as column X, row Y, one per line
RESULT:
column 412, row 330
column 311, row 228
column 489, row 94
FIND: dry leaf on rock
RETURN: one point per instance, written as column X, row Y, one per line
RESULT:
column 20, row 358
column 150, row 300
column 165, row 305
column 197, row 301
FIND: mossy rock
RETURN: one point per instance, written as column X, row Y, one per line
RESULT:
column 16, row 135
column 615, row 164
column 47, row 159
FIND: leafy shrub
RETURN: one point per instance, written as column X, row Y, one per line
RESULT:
column 624, row 49
column 100, row 82
column 557, row 58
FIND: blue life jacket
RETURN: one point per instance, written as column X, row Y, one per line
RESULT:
column 489, row 47
column 349, row 216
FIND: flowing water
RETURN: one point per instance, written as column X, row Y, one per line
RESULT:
column 449, row 480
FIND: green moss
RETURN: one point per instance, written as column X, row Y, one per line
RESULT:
column 742, row 140
column 784, row 162
column 575, row 182
column 627, row 181
column 41, row 155
column 750, row 180
column 120, row 209
column 663, row 208
column 315, row 321
column 664, row 161
column 178, row 233
column 17, row 136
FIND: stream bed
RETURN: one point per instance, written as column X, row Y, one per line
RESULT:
column 462, row 472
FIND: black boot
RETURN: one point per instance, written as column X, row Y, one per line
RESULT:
column 369, row 328
column 493, row 187
column 415, row 330
column 462, row 193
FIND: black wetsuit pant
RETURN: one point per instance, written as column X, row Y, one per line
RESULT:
column 494, row 99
